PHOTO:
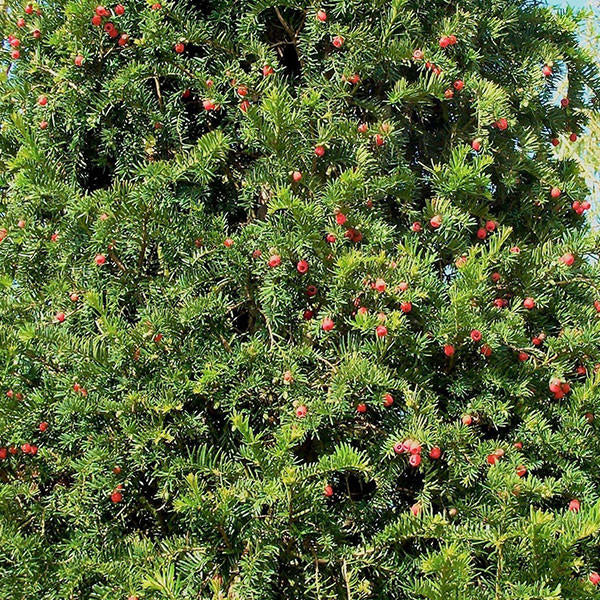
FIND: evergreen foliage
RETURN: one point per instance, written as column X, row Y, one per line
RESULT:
column 296, row 301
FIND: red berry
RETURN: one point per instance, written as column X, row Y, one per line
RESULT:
column 449, row 350
column 123, row 40
column 296, row 176
column 60, row 317
column 574, row 505
column 416, row 509
column 3, row 453
column 42, row 100
column 363, row 128
column 119, row 9
column 554, row 385
column 274, row 260
column 380, row 285
column 302, row 266
column 301, row 411
column 327, row 324
column 381, row 331
column 546, row 71
column 406, row 307
column 555, row 141
column 244, row 106
column 379, row 141
column 267, row 70
column 444, row 42
column 573, row 137
column 388, row 399
column 100, row 259
column 459, row 84
column 449, row 93
column 399, row 447
column 565, row 102
column 96, row 21
column 208, row 104
column 26, row 448
column 29, row 9
column 307, row 315
column 521, row 471
column 482, row 233
column 116, row 497
column 179, row 47
column 476, row 335
column 523, row 356
column 492, row 459
column 435, row 221
column 594, row 578
column 311, row 291
column 555, row 192
column 340, row 218
column 43, row 426
column 529, row 303
column 414, row 460
column 435, row 453
column 418, row 55
column 43, row 124
column 490, row 225
column 486, row 350
column 228, row 242
column 319, row 150
column 338, row 41
column 361, row 408
column 502, row 124
column 567, row 259
column 476, row 145
column 78, row 60
column 328, row 491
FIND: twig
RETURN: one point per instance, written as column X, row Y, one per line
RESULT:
column 158, row 92
column 117, row 261
column 345, row 576
column 57, row 75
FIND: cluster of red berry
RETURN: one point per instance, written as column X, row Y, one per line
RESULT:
column 110, row 29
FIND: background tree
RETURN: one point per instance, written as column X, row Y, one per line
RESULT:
column 297, row 302
column 586, row 148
